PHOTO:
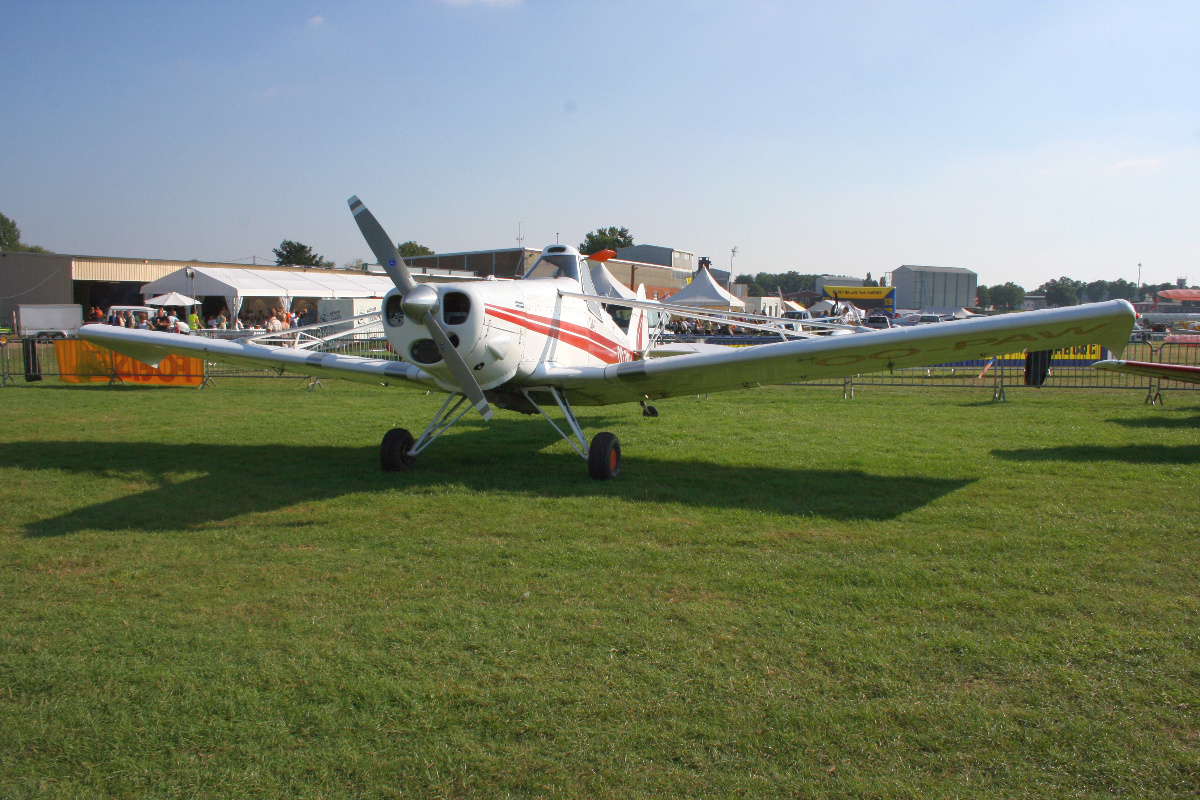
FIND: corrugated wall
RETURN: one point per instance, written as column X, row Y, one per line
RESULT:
column 33, row 278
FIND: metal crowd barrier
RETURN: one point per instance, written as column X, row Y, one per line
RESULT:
column 27, row 360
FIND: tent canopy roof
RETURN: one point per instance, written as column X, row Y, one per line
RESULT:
column 216, row 281
column 704, row 291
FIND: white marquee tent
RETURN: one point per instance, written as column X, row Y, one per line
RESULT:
column 705, row 292
column 279, row 287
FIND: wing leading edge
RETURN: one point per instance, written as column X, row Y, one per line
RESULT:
column 151, row 347
column 1107, row 324
column 1174, row 372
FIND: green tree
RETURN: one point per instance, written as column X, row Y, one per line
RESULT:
column 1121, row 289
column 787, row 282
column 410, row 248
column 291, row 253
column 10, row 238
column 1060, row 292
column 1094, row 292
column 1008, row 296
column 606, row 239
column 983, row 296
column 755, row 290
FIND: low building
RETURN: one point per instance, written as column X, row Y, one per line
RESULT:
column 769, row 306
column 920, row 287
column 662, row 256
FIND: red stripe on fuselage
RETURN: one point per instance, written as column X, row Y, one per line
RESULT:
column 577, row 336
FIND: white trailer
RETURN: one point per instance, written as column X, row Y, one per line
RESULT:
column 331, row 310
column 48, row 321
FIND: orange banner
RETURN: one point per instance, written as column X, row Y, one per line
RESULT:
column 84, row 362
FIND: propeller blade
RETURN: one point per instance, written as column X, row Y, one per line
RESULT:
column 389, row 258
column 381, row 245
column 463, row 376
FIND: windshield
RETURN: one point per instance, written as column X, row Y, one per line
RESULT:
column 558, row 266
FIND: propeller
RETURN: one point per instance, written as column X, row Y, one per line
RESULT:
column 418, row 300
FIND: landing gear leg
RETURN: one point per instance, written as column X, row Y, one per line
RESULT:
column 604, row 454
column 399, row 451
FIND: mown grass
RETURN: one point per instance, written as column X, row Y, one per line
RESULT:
column 914, row 593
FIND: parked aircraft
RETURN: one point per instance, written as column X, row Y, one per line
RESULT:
column 1172, row 372
column 545, row 340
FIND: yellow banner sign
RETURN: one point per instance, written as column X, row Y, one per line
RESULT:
column 858, row 292
column 1087, row 352
column 84, row 362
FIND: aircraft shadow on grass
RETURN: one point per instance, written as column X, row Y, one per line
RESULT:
column 1130, row 454
column 1160, row 422
column 253, row 478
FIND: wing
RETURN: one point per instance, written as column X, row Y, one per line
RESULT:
column 1107, row 324
column 151, row 347
column 1174, row 372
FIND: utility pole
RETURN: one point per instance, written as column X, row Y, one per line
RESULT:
column 732, row 253
column 1139, row 286
column 520, row 236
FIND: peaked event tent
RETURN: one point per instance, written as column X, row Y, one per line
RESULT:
column 705, row 292
column 278, row 286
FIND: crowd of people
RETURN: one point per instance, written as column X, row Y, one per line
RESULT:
column 272, row 320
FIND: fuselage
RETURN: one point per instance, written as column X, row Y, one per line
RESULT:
column 506, row 330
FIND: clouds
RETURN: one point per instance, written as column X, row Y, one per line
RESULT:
column 316, row 22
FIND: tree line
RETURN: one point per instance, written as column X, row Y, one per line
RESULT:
column 10, row 238
column 766, row 284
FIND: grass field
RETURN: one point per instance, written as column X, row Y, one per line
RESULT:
column 914, row 593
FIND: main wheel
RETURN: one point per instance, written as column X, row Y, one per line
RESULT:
column 393, row 451
column 649, row 411
column 604, row 457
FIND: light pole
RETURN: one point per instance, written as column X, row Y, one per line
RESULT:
column 1139, row 286
column 191, row 274
column 732, row 254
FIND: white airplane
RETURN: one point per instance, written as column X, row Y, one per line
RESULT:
column 546, row 339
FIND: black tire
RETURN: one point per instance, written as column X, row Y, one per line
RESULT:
column 393, row 451
column 649, row 411
column 604, row 457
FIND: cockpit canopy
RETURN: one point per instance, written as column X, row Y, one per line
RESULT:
column 556, row 261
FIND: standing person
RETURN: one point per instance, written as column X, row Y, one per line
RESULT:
column 221, row 321
column 194, row 320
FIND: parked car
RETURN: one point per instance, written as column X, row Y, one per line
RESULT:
column 926, row 318
column 879, row 321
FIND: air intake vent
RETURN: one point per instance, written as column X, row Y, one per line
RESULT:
column 556, row 249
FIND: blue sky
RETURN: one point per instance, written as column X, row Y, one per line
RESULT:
column 1022, row 140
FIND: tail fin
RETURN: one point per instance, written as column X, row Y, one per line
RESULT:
column 639, row 333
